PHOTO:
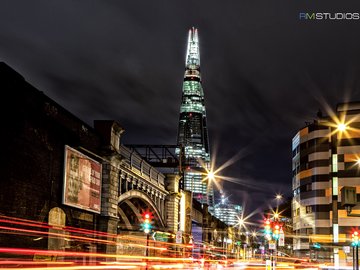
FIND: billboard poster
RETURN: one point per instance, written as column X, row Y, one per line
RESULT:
column 82, row 181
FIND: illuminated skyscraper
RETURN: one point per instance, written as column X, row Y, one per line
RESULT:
column 192, row 132
column 227, row 212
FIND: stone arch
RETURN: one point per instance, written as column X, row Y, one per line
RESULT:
column 141, row 195
column 124, row 218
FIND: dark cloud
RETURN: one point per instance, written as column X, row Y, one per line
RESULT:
column 265, row 72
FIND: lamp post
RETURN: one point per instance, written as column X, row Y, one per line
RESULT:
column 241, row 223
column 209, row 177
column 253, row 242
column 210, row 180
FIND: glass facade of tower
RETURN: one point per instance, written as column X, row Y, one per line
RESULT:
column 227, row 212
column 192, row 132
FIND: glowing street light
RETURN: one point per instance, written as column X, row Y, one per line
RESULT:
column 241, row 222
column 211, row 175
column 212, row 179
column 341, row 127
column 358, row 161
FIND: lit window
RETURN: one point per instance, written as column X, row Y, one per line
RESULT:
column 334, row 163
column 336, row 232
column 335, row 186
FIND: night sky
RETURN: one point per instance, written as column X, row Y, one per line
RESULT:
column 265, row 72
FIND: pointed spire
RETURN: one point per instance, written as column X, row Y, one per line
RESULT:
column 193, row 53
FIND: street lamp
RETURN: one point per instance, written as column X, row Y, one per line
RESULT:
column 341, row 127
column 211, row 178
column 241, row 224
column 211, row 175
column 278, row 198
column 208, row 178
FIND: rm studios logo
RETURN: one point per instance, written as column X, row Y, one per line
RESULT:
column 312, row 16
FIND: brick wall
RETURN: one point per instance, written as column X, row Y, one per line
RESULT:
column 34, row 132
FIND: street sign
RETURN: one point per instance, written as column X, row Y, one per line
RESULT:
column 281, row 239
column 179, row 237
column 160, row 236
column 272, row 245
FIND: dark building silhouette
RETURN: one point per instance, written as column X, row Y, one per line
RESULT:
column 34, row 132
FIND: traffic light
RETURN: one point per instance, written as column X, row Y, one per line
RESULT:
column 276, row 231
column 355, row 239
column 267, row 226
column 267, row 229
column 147, row 220
column 317, row 245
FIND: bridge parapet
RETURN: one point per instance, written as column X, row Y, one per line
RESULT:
column 139, row 166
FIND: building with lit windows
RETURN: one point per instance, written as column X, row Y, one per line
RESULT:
column 324, row 160
column 227, row 212
column 192, row 131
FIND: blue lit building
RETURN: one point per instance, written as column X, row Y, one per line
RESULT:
column 227, row 212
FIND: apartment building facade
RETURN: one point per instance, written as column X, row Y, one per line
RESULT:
column 325, row 156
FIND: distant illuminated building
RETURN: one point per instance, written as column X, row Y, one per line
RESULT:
column 192, row 132
column 227, row 212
